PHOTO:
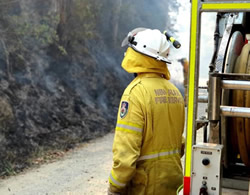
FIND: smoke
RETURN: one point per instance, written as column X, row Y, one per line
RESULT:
column 181, row 32
column 177, row 77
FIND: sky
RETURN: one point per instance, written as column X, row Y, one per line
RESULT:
column 182, row 27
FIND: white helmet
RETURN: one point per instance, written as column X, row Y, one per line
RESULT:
column 149, row 42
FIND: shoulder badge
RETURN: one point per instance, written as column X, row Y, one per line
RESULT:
column 124, row 109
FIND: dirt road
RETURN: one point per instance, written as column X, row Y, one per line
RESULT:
column 84, row 171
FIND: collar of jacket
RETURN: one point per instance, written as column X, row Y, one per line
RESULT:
column 135, row 62
column 151, row 75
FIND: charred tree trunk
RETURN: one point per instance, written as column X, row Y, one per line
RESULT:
column 64, row 8
column 6, row 53
column 116, row 18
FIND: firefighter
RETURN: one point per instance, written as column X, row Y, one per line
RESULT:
column 148, row 137
column 185, row 64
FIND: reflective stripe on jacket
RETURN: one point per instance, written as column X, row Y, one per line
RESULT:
column 148, row 138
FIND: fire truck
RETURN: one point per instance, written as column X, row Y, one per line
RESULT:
column 222, row 160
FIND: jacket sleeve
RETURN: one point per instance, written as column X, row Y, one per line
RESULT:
column 127, row 142
column 183, row 139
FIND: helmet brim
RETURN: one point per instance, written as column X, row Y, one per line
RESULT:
column 160, row 58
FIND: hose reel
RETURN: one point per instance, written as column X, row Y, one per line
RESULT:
column 236, row 131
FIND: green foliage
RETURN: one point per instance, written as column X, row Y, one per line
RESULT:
column 62, row 50
column 86, row 14
column 6, row 115
column 28, row 32
column 41, row 32
column 8, row 169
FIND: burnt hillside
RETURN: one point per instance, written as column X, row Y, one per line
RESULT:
column 60, row 74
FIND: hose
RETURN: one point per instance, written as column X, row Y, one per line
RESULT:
column 216, row 42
